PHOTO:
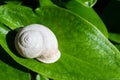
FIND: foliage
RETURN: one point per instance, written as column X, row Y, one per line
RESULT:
column 87, row 53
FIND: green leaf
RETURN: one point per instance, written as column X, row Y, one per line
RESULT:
column 86, row 53
column 46, row 3
column 118, row 46
column 10, row 1
column 89, row 3
column 115, row 37
column 40, row 77
column 86, row 3
column 10, row 73
column 86, row 13
column 9, row 69
column 11, row 18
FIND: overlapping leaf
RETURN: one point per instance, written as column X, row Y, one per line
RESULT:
column 11, row 18
column 115, row 37
column 40, row 77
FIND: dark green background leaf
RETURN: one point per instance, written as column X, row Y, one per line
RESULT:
column 115, row 37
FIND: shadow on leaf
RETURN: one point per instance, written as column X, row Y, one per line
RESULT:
column 8, row 60
column 4, row 56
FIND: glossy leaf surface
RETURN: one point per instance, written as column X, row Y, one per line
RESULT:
column 10, row 17
column 86, row 13
column 86, row 53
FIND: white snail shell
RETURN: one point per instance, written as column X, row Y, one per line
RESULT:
column 37, row 41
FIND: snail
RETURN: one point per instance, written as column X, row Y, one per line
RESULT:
column 39, row 42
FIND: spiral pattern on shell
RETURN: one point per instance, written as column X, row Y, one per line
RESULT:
column 37, row 41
